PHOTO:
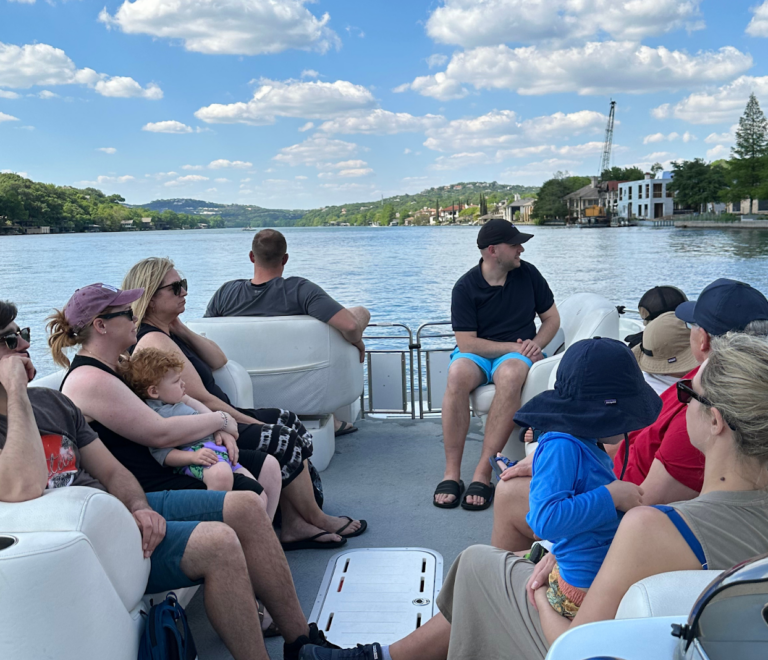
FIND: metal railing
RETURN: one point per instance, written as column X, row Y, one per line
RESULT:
column 420, row 335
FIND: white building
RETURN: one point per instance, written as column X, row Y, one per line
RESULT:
column 646, row 199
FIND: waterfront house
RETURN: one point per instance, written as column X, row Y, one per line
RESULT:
column 604, row 194
column 521, row 206
column 646, row 199
column 759, row 206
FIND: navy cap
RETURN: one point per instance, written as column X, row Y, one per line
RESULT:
column 724, row 306
column 498, row 231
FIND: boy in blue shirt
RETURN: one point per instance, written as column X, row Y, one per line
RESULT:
column 576, row 502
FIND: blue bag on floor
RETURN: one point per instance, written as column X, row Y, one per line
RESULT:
column 167, row 635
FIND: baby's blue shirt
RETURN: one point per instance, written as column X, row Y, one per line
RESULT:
column 569, row 505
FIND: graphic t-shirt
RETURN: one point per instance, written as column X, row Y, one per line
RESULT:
column 500, row 313
column 63, row 432
column 280, row 296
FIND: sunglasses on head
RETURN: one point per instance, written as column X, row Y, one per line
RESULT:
column 685, row 393
column 114, row 315
column 12, row 340
column 176, row 287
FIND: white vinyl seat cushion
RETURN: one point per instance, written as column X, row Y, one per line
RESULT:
column 295, row 362
column 667, row 594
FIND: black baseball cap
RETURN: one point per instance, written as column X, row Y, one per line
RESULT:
column 725, row 306
column 498, row 231
column 660, row 300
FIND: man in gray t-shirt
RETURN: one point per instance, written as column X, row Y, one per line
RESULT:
column 270, row 294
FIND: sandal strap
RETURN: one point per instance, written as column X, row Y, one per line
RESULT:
column 448, row 487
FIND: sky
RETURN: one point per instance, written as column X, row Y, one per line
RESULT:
column 303, row 104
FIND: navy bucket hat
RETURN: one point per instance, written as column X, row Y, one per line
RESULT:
column 600, row 392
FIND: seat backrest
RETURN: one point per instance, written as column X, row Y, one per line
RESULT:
column 51, row 381
column 294, row 362
column 586, row 315
column 666, row 594
column 236, row 383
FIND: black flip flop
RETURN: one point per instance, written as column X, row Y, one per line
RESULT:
column 313, row 544
column 482, row 490
column 357, row 532
column 346, row 429
column 449, row 487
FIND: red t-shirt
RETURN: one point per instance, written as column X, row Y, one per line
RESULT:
column 665, row 439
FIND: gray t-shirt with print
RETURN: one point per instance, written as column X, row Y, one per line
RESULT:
column 63, row 432
column 289, row 296
column 172, row 410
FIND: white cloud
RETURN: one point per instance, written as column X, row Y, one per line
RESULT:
column 592, row 68
column 22, row 67
column 540, row 168
column 223, row 163
column 300, row 178
column 23, row 174
column 184, row 180
column 107, row 150
column 471, row 23
column 101, row 180
column 307, row 127
column 660, row 137
column 348, row 187
column 246, row 180
column 722, row 138
column 724, row 104
column 462, row 159
column 346, row 169
column 227, row 27
column 662, row 112
column 192, row 167
column 315, row 151
column 292, row 98
column 406, row 151
column 758, row 26
column 718, row 151
column 4, row 94
column 222, row 180
column 47, row 94
column 656, row 137
column 504, row 128
column 4, row 117
column 381, row 122
column 310, row 73
column 436, row 60
column 170, row 126
column 211, row 190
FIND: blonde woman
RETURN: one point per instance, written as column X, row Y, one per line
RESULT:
column 278, row 432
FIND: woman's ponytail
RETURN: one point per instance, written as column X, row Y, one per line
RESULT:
column 61, row 335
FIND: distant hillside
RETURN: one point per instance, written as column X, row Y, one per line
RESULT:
column 233, row 215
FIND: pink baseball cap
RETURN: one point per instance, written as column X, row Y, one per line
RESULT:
column 90, row 301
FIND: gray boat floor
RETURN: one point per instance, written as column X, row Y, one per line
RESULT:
column 385, row 473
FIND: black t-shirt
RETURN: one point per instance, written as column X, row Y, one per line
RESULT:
column 63, row 432
column 201, row 367
column 500, row 313
column 135, row 457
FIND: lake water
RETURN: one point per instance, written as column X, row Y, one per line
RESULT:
column 401, row 274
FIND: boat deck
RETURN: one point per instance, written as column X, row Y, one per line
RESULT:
column 385, row 473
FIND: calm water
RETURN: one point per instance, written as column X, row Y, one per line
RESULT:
column 400, row 274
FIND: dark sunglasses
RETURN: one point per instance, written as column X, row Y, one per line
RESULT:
column 176, row 287
column 685, row 393
column 114, row 315
column 12, row 340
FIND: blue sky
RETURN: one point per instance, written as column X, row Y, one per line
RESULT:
column 298, row 104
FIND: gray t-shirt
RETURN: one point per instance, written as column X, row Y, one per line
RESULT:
column 290, row 296
column 63, row 432
column 172, row 410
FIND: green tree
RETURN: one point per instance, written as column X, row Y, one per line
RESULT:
column 550, row 204
column 656, row 168
column 747, row 171
column 623, row 174
column 696, row 183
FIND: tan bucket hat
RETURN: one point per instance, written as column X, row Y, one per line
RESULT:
column 666, row 347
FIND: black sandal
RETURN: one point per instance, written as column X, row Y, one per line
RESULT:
column 449, row 487
column 271, row 630
column 482, row 490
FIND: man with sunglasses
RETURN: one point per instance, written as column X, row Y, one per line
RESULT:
column 45, row 443
column 661, row 459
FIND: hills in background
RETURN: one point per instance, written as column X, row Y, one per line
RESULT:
column 241, row 215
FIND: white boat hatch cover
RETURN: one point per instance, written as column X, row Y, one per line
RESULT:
column 377, row 594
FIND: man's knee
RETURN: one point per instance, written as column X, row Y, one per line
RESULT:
column 244, row 506
column 513, row 494
column 463, row 376
column 362, row 315
column 511, row 374
column 211, row 544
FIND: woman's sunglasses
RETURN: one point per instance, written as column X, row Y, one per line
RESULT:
column 176, row 287
column 114, row 315
column 12, row 340
column 685, row 393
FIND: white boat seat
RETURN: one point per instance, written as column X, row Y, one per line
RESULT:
column 295, row 362
column 667, row 594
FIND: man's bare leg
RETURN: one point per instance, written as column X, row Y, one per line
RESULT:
column 266, row 564
column 509, row 379
column 463, row 377
column 214, row 554
column 428, row 642
column 510, row 530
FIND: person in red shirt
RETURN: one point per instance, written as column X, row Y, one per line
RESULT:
column 661, row 459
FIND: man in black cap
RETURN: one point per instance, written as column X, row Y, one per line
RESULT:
column 493, row 309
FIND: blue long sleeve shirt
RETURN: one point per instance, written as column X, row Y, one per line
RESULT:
column 570, row 506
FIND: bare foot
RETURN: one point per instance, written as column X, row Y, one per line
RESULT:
column 334, row 523
column 446, row 498
column 301, row 530
column 482, row 475
column 528, row 435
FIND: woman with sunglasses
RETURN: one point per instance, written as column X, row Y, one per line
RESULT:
column 494, row 605
column 278, row 432
column 98, row 318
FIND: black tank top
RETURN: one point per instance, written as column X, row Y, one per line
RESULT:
column 203, row 370
column 135, row 457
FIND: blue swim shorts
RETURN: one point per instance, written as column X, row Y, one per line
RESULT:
column 183, row 510
column 489, row 365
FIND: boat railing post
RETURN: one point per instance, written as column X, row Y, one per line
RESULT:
column 404, row 378
column 419, row 337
